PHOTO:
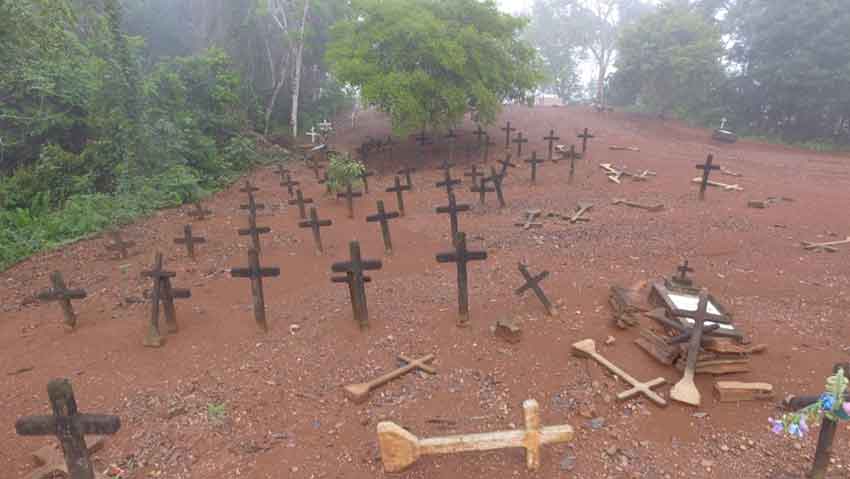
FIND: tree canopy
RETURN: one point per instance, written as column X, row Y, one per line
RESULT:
column 431, row 61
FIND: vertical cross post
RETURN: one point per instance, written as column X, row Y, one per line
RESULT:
column 399, row 190
column 300, row 201
column 508, row 130
column 453, row 209
column 487, row 144
column 252, row 206
column 315, row 224
column 519, row 140
column 448, row 182
column 451, row 137
column 315, row 167
column 189, row 240
column 119, row 245
column 254, row 232
column 584, row 137
column 823, row 451
column 461, row 256
column 682, row 277
column 349, row 196
column 160, row 278
column 256, row 274
column 706, row 171
column 250, row 188
column 551, row 139
column 480, row 134
column 482, row 189
column 354, row 270
column 60, row 292
column 473, row 174
column 534, row 161
column 506, row 163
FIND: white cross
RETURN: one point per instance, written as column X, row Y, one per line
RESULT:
column 312, row 134
column 325, row 126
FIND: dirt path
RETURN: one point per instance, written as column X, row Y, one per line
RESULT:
column 285, row 415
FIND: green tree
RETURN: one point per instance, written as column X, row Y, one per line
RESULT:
column 672, row 59
column 558, row 49
column 431, row 61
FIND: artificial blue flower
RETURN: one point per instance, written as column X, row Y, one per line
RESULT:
column 827, row 402
column 804, row 428
column 776, row 426
column 794, row 430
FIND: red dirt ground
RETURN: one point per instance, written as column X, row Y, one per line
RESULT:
column 286, row 415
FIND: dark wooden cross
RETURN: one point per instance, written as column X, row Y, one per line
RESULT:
column 119, row 245
column 162, row 293
column 349, row 196
column 551, row 139
column 316, row 225
column 383, row 218
column 316, row 167
column 506, row 163
column 461, row 256
column 300, row 201
column 399, row 190
column 256, row 273
column 451, row 137
column 572, row 156
column 584, row 137
column 482, row 189
column 508, row 130
column 60, row 292
column 496, row 180
column 249, row 188
column 406, row 172
column 534, row 161
column 473, row 174
column 487, row 144
column 354, row 276
column 682, row 277
column 706, row 171
column 252, row 206
column 199, row 213
column 189, row 240
column 290, row 184
column 254, row 232
column 70, row 428
column 533, row 283
column 519, row 140
column 448, row 182
column 453, row 209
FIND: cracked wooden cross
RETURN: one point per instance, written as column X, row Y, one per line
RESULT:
column 189, row 240
column 254, row 232
column 551, row 139
column 508, row 130
column 316, row 225
column 162, row 293
column 349, row 196
column 706, row 171
column 383, row 217
column 399, row 190
column 448, row 182
column 534, row 161
column 119, row 245
column 359, row 393
column 519, row 140
column 199, row 213
column 256, row 273
column 356, row 279
column 60, row 293
column 70, row 428
column 452, row 209
column 533, row 283
column 461, row 256
column 584, row 136
column 300, row 201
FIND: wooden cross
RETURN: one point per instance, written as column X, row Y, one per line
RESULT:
column 359, row 393
column 587, row 348
column 482, row 189
column 313, row 134
column 706, row 171
column 584, row 137
column 682, row 277
column 572, row 155
column 453, row 209
column 508, row 130
column 289, row 184
column 406, row 172
column 685, row 390
column 254, row 232
column 315, row 167
column 827, row 246
column 316, row 225
column 496, row 180
column 551, row 139
column 473, row 174
column 461, row 256
column 256, row 274
column 189, row 240
column 452, row 137
column 581, row 209
column 519, row 140
column 480, row 133
column 248, row 188
column 364, row 177
column 162, row 292
column 506, row 163
column 487, row 144
column 533, row 283
column 445, row 165
column 528, row 222
column 70, row 428
column 356, row 280
column 300, row 201
column 252, row 206
column 448, row 182
column 383, row 218
column 534, row 161
column 399, row 190
column 199, row 213
column 60, row 292
column 349, row 196
column 119, row 245
column 324, row 181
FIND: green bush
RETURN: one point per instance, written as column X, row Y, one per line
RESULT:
column 343, row 170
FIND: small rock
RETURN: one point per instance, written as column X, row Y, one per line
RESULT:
column 611, row 340
column 612, row 451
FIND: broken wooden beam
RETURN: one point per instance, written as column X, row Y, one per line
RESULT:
column 734, row 391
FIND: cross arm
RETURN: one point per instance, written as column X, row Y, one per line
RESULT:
column 260, row 230
column 249, row 272
column 53, row 294
column 348, row 279
column 89, row 424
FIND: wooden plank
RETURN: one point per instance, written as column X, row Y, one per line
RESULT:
column 727, row 346
column 657, row 347
column 733, row 391
column 719, row 367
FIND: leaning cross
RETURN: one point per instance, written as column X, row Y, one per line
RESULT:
column 533, row 283
column 706, row 170
column 300, row 201
column 199, row 213
column 399, row 190
column 461, row 256
column 534, row 161
column 289, row 184
column 349, row 196
column 685, row 390
column 356, row 280
column 584, row 137
column 189, row 240
column 406, row 172
column 506, row 163
column 358, row 393
column 162, row 292
column 551, row 139
column 496, row 180
column 448, row 182
column 256, row 274
column 482, row 189
column 519, row 140
column 315, row 224
column 452, row 210
column 70, row 427
column 364, row 177
column 59, row 292
column 254, row 232
column 119, row 245
column 400, row 448
column 383, row 218
column 508, row 130
column 588, row 348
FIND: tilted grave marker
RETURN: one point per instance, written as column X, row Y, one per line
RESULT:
column 632, row 204
column 533, row 283
column 254, row 232
column 189, row 240
column 551, row 139
column 316, row 225
column 508, row 130
column 584, row 137
column 119, row 245
column 300, row 201
column 162, row 293
column 482, row 189
column 349, row 196
column 399, row 190
column 519, row 140
column 59, row 292
column 448, row 182
column 452, row 210
column 706, row 171
column 496, row 180
column 354, row 270
column 359, row 393
column 199, row 213
column 506, row 163
column 290, row 184
column 581, row 209
column 461, row 256
column 534, row 161
column 383, row 218
column 70, row 428
column 685, row 390
column 256, row 273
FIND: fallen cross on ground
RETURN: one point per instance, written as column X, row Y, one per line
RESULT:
column 256, row 273
column 359, row 393
column 588, row 348
column 528, row 221
column 581, row 209
column 685, row 390
column 59, row 292
column 827, row 246
column 717, row 184
column 651, row 208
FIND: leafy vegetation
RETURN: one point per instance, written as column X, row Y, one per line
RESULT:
column 342, row 171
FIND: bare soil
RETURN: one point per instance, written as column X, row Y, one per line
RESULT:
column 222, row 400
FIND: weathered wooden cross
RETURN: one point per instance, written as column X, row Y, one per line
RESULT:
column 581, row 209
column 452, row 210
column 533, row 283
column 359, row 393
column 316, row 225
column 252, row 206
column 587, row 348
column 534, row 161
column 399, row 190
column 519, row 140
column 508, row 130
column 584, row 137
column 70, row 428
column 59, row 292
column 406, row 172
column 119, row 245
column 681, row 278
column 527, row 222
column 300, row 201
column 356, row 280
column 706, row 171
column 162, row 292
column 445, row 165
column 249, row 188
column 383, row 218
column 254, row 232
column 482, row 189
column 551, row 139
column 496, row 180
column 461, row 256
column 448, row 182
column 199, row 213
column 189, row 240
column 256, row 274
column 349, row 196
column 290, row 184
column 572, row 156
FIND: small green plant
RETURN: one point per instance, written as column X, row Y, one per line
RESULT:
column 344, row 170
column 216, row 412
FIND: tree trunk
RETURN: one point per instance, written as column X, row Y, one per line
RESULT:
column 296, row 81
column 600, row 94
column 273, row 100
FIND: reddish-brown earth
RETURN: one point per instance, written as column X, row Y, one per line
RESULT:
column 286, row 415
